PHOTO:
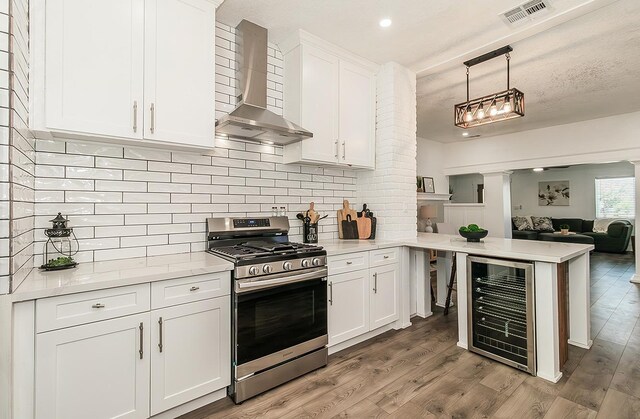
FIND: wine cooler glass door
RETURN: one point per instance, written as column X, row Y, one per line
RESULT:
column 501, row 311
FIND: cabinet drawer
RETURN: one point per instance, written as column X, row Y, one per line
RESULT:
column 384, row 256
column 74, row 309
column 348, row 263
column 192, row 288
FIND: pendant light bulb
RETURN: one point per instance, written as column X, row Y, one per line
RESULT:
column 468, row 115
column 480, row 113
column 493, row 110
column 507, row 105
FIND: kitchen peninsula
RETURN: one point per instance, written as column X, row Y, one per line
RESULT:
column 557, row 266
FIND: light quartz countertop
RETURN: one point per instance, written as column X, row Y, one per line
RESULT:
column 92, row 276
column 542, row 251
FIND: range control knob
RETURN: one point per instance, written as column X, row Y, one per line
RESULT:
column 316, row 262
column 253, row 270
column 287, row 266
column 267, row 269
column 305, row 263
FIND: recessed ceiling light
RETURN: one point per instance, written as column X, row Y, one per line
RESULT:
column 538, row 169
column 465, row 134
column 385, row 23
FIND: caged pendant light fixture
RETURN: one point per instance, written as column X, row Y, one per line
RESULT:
column 495, row 107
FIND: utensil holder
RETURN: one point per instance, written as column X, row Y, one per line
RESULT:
column 310, row 233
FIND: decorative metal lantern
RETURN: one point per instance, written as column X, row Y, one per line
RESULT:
column 60, row 247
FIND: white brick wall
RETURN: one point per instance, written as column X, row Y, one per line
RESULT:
column 390, row 189
column 129, row 202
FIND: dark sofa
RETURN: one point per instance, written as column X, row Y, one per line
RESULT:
column 615, row 240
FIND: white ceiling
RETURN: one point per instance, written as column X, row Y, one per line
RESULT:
column 578, row 62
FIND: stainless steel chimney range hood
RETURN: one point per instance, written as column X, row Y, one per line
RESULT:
column 251, row 119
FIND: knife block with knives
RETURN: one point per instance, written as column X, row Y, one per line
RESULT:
column 353, row 225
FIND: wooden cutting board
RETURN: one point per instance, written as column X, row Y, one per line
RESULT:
column 342, row 216
column 364, row 228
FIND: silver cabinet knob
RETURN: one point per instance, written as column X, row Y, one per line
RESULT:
column 316, row 262
column 287, row 266
column 305, row 263
column 253, row 270
column 267, row 269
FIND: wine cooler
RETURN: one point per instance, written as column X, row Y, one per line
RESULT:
column 501, row 311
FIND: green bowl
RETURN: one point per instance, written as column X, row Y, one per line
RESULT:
column 474, row 236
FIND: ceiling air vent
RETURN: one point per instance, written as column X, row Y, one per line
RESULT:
column 526, row 12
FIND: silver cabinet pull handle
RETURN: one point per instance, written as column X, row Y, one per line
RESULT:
column 386, row 256
column 349, row 262
column 330, row 293
column 141, row 350
column 375, row 283
column 135, row 116
column 160, row 343
column 153, row 118
column 344, row 150
column 194, row 288
column 98, row 305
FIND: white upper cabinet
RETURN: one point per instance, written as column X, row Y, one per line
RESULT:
column 331, row 93
column 94, row 65
column 179, row 73
column 139, row 71
column 357, row 115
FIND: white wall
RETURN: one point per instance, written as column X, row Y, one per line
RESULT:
column 524, row 189
column 602, row 140
column 430, row 163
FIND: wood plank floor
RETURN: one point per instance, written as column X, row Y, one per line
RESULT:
column 419, row 372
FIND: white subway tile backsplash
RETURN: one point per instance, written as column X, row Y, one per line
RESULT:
column 168, row 208
column 123, row 186
column 64, row 159
column 113, row 163
column 112, row 254
column 147, row 176
column 169, row 167
column 137, row 241
column 85, row 196
column 119, row 231
column 146, row 219
column 147, row 154
column 183, row 178
column 170, row 187
column 169, row 228
column 168, row 249
column 94, row 149
column 89, row 173
column 121, row 209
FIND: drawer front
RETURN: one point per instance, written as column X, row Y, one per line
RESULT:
column 192, row 288
column 74, row 309
column 384, row 256
column 348, row 263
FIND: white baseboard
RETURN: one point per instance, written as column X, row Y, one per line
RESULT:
column 635, row 279
column 553, row 379
column 581, row 345
column 192, row 405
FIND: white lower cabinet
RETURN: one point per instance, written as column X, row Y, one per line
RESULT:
column 136, row 365
column 384, row 299
column 98, row 370
column 348, row 305
column 190, row 352
column 362, row 301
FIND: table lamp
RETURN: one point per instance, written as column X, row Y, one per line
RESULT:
column 427, row 212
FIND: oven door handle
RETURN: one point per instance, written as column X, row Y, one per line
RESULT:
column 248, row 285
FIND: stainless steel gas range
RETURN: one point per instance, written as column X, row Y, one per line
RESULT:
column 279, row 318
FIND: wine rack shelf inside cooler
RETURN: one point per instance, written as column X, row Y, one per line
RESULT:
column 500, row 311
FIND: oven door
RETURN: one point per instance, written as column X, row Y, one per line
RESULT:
column 278, row 319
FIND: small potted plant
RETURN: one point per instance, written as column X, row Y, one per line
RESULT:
column 564, row 229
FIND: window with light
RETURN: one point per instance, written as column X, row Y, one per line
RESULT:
column 616, row 197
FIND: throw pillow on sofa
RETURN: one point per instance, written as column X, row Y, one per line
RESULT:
column 522, row 223
column 542, row 223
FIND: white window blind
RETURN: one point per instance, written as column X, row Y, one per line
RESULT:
column 616, row 197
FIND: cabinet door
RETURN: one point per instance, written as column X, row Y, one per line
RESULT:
column 94, row 66
column 357, row 116
column 179, row 75
column 384, row 295
column 348, row 305
column 97, row 370
column 191, row 352
column 319, row 102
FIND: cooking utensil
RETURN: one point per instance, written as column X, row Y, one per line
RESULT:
column 364, row 227
column 312, row 212
column 349, row 228
column 300, row 216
